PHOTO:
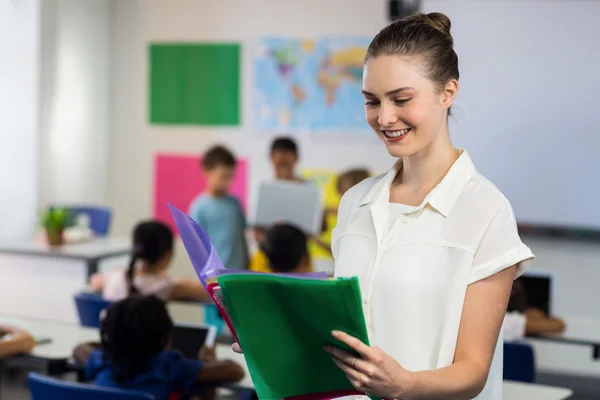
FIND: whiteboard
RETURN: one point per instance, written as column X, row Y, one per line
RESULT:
column 528, row 109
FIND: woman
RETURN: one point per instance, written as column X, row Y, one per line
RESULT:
column 434, row 244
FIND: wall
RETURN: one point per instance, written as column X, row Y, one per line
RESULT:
column 134, row 142
column 575, row 265
column 74, row 103
column 19, row 98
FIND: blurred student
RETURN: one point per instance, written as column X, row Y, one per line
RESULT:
column 522, row 319
column 148, row 271
column 347, row 179
column 344, row 182
column 135, row 353
column 284, row 157
column 220, row 214
column 286, row 249
column 14, row 340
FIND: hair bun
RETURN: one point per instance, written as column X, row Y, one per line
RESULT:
column 439, row 21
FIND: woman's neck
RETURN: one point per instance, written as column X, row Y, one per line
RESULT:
column 428, row 167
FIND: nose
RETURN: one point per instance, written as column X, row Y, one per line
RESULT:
column 387, row 116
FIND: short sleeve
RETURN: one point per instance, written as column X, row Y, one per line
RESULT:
column 181, row 372
column 240, row 212
column 197, row 214
column 500, row 248
column 95, row 363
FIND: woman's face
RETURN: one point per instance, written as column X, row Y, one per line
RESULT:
column 403, row 106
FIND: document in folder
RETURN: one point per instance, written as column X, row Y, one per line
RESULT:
column 282, row 324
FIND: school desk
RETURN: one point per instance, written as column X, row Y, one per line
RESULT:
column 40, row 281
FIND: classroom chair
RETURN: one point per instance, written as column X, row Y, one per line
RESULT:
column 89, row 307
column 46, row 388
column 519, row 362
column 100, row 217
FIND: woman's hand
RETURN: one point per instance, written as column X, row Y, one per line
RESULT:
column 373, row 372
column 236, row 348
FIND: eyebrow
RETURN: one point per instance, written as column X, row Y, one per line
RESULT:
column 391, row 92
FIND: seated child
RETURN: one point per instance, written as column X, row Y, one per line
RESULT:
column 219, row 213
column 285, row 248
column 148, row 270
column 14, row 340
column 134, row 353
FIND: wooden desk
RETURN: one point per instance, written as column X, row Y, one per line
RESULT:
column 40, row 281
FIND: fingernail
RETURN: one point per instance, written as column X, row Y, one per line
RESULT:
column 334, row 333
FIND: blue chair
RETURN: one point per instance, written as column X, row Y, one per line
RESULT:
column 45, row 388
column 519, row 362
column 100, row 217
column 89, row 307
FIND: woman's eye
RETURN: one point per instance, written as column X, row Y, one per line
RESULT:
column 371, row 103
column 401, row 101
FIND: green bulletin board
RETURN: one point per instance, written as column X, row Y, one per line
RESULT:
column 194, row 83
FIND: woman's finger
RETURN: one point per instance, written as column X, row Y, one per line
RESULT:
column 358, row 380
column 348, row 358
column 353, row 343
column 350, row 372
column 236, row 348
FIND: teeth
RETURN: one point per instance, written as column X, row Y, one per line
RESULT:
column 397, row 133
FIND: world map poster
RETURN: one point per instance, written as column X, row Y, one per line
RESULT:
column 309, row 85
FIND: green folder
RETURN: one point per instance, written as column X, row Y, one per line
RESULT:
column 282, row 324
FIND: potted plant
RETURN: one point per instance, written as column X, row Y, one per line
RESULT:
column 54, row 221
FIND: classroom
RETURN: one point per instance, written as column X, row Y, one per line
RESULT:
column 412, row 180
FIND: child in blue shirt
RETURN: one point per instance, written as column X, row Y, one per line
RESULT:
column 134, row 353
column 219, row 213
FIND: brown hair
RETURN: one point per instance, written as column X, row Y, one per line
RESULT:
column 351, row 177
column 217, row 156
column 423, row 35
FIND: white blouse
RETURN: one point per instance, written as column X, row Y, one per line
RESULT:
column 414, row 264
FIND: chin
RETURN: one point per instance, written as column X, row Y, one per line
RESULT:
column 400, row 149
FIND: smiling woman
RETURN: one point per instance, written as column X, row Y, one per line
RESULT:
column 433, row 243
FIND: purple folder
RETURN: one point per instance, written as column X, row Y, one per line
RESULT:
column 202, row 254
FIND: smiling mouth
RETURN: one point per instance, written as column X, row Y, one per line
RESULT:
column 395, row 134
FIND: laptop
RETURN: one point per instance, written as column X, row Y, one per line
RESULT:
column 189, row 338
column 539, row 290
column 297, row 203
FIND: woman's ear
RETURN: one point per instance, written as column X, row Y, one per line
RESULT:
column 450, row 92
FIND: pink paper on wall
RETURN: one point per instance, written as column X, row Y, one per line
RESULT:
column 178, row 179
